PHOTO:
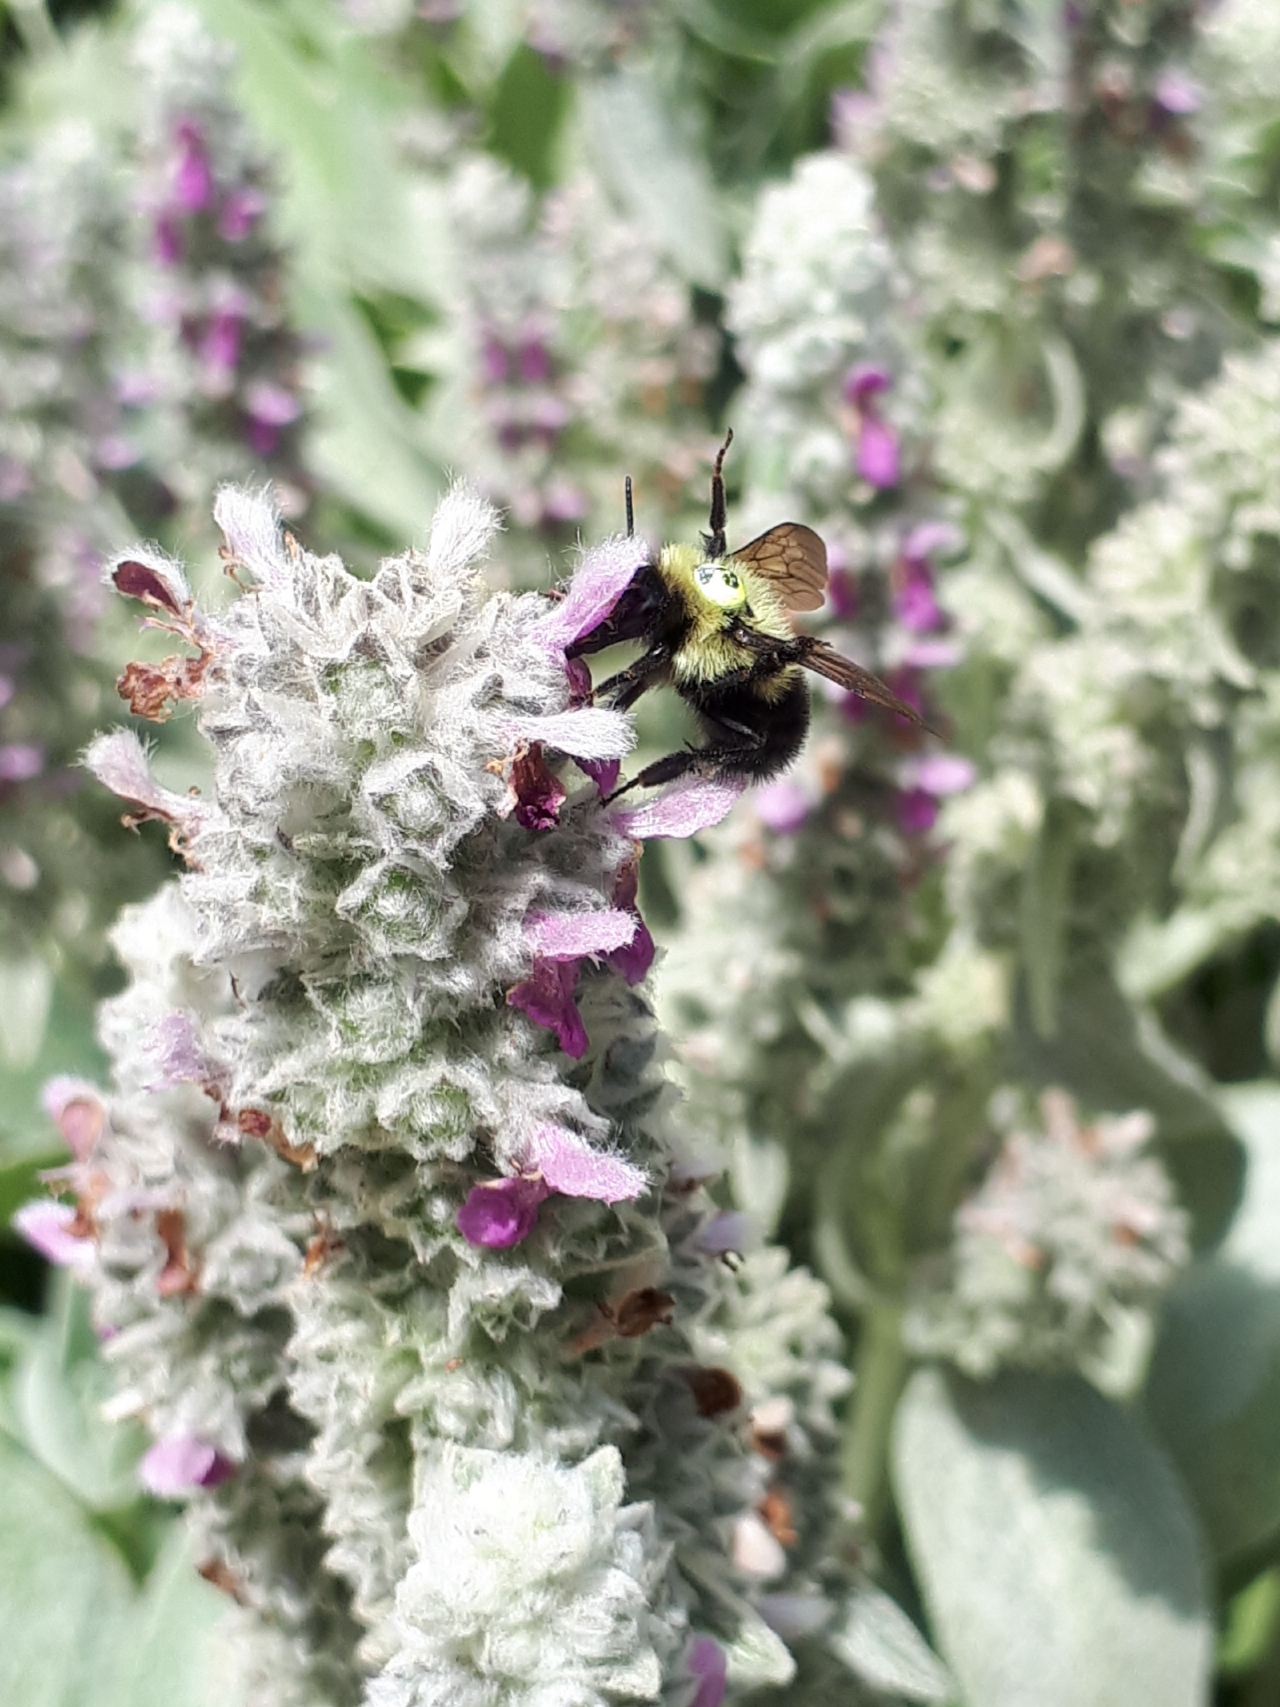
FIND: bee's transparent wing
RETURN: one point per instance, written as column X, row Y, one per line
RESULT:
column 793, row 560
column 826, row 661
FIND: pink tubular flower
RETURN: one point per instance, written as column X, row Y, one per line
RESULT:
column 536, row 790
column 571, row 936
column 20, row 761
column 546, row 996
column 192, row 177
column 598, row 583
column 501, row 1213
column 47, row 1228
column 569, row 1165
column 180, row 1463
column 707, row 1663
column 240, row 212
column 560, row 942
column 877, row 456
column 782, row 806
column 633, row 958
column 75, row 1107
column 695, row 804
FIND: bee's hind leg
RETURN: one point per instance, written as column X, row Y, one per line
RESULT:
column 737, row 760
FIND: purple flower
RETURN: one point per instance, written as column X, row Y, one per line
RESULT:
column 220, row 343
column 500, row 1213
column 568, row 1164
column 729, row 1230
column 917, row 811
column 573, row 936
column 533, row 360
column 560, row 942
column 75, row 1107
column 546, row 996
column 537, row 790
column 269, row 407
column 493, row 360
column 878, row 459
column 241, row 211
column 47, row 1227
column 168, row 240
column 20, row 761
column 603, row 772
column 684, row 809
column 174, row 1044
column 707, row 1663
column 914, row 603
column 192, row 178
column 633, row 959
column 864, row 382
column 939, row 773
column 1177, row 93
column 877, row 456
column 598, row 583
column 180, row 1463
column 563, row 502
column 782, row 806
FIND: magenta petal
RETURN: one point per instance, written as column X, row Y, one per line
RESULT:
column 45, row 1227
column 917, row 811
column 707, row 1662
column 569, row 1165
column 878, row 459
column 180, row 1463
column 914, row 603
column 539, row 793
column 635, row 958
column 598, row 582
column 939, row 773
column 682, row 810
column 500, row 1213
column 241, row 211
column 546, row 996
column 570, row 936
column 271, row 404
column 864, row 382
column 603, row 772
column 192, row 179
column 927, row 538
column 782, row 806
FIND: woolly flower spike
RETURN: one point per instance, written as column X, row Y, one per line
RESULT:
column 353, row 1225
column 1065, row 1250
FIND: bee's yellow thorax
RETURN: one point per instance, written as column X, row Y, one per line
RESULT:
column 717, row 593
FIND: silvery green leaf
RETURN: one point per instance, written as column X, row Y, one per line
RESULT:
column 880, row 1643
column 1058, row 1556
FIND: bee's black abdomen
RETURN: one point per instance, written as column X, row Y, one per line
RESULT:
column 750, row 736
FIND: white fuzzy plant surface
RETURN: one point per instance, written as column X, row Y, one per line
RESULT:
column 396, row 1239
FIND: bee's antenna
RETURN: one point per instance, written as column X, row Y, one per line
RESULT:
column 715, row 540
column 631, row 515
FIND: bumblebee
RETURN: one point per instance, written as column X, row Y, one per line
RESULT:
column 716, row 626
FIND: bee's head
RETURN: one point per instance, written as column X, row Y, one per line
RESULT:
column 720, row 585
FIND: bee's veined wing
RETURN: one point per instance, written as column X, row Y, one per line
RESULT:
column 793, row 560
column 826, row 661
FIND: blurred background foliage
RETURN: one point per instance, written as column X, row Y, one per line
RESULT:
column 985, row 1025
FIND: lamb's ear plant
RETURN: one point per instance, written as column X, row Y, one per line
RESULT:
column 398, row 1241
